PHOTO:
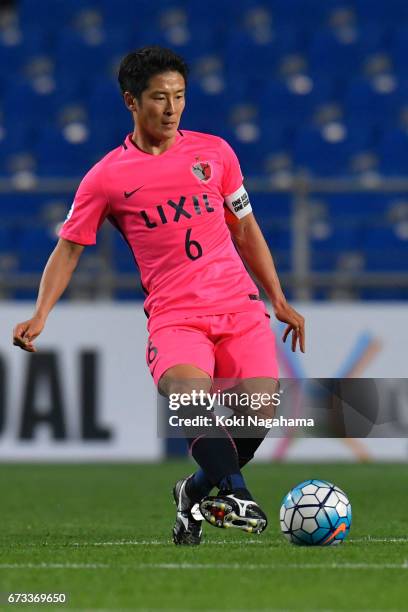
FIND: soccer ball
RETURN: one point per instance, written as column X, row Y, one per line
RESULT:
column 315, row 513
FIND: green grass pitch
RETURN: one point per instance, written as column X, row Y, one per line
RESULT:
column 101, row 534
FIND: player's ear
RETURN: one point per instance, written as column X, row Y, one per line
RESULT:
column 130, row 101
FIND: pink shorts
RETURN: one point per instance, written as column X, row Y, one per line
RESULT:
column 237, row 345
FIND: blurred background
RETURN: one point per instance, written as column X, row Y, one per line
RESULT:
column 311, row 94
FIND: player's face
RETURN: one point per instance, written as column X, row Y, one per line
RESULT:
column 161, row 105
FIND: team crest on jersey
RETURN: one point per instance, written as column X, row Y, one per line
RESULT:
column 202, row 170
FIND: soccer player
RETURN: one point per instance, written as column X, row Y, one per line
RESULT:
column 178, row 199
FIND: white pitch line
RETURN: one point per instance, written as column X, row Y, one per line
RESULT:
column 204, row 566
column 161, row 543
column 122, row 543
column 365, row 540
column 209, row 543
column 368, row 540
column 257, row 566
column 54, row 566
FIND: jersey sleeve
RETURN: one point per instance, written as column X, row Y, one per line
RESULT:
column 235, row 195
column 88, row 211
column 232, row 177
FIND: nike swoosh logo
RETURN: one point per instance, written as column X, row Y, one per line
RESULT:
column 127, row 194
column 339, row 529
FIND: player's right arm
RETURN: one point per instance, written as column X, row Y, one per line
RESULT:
column 55, row 279
column 87, row 214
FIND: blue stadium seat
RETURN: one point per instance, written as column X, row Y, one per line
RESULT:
column 105, row 100
column 227, row 12
column 393, row 151
column 34, row 246
column 252, row 153
column 216, row 109
column 363, row 101
column 139, row 14
column 34, row 42
column 74, row 56
column 17, row 134
column 20, row 96
column 69, row 89
column 372, row 38
column 58, row 157
column 273, row 214
column 7, row 235
column 52, row 13
column 197, row 44
column 319, row 155
column 309, row 13
column 21, row 207
column 360, row 208
column 384, row 250
column 10, row 61
column 244, row 55
column 387, row 12
column 292, row 101
column 338, row 239
column 329, row 55
column 399, row 50
column 274, row 210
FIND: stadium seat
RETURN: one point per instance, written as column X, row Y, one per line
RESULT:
column 380, row 12
column 21, row 95
column 356, row 207
column 74, row 55
column 52, row 13
column 384, row 251
column 393, row 152
column 333, row 56
column 311, row 14
column 326, row 150
column 34, row 246
column 399, row 50
column 57, row 156
column 372, row 38
column 138, row 14
column 105, row 99
column 216, row 105
column 294, row 99
column 371, row 102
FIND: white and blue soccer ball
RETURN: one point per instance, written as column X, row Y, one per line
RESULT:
column 315, row 513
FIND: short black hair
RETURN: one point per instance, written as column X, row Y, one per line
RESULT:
column 138, row 67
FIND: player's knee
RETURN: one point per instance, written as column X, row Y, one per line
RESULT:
column 257, row 395
column 195, row 387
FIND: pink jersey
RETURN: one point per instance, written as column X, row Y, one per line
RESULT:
column 170, row 208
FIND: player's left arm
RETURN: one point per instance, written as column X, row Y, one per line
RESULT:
column 252, row 247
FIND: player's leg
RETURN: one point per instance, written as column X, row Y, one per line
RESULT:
column 179, row 379
column 245, row 356
column 181, row 359
column 167, row 348
column 248, row 359
column 239, row 509
column 254, row 388
column 212, row 448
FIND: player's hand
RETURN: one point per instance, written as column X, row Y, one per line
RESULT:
column 26, row 332
column 296, row 324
